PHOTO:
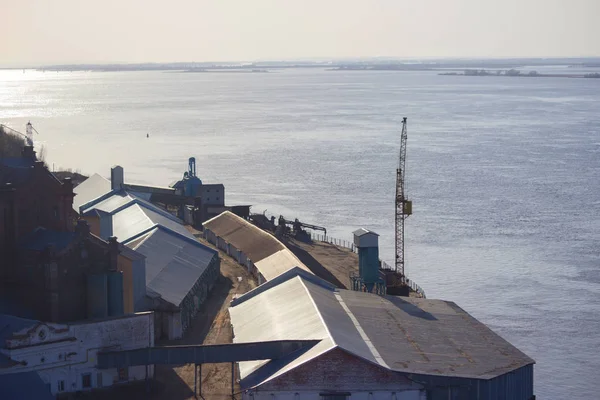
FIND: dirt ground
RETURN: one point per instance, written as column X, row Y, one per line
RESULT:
column 327, row 261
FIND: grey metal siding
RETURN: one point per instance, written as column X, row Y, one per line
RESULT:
column 196, row 297
column 514, row 385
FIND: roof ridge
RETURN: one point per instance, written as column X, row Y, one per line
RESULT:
column 318, row 312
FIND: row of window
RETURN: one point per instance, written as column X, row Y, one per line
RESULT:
column 86, row 379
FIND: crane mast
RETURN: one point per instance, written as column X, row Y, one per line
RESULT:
column 403, row 205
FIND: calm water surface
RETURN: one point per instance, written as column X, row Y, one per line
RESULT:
column 504, row 174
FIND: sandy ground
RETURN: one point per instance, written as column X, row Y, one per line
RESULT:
column 327, row 261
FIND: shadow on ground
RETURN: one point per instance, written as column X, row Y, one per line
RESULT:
column 316, row 267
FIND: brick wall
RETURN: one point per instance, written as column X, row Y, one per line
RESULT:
column 339, row 371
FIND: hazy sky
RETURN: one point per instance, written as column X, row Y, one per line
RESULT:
column 64, row 31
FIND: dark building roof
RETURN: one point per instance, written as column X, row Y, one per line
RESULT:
column 174, row 263
column 403, row 334
column 42, row 238
column 253, row 241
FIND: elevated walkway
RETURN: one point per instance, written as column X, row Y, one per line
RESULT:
column 203, row 354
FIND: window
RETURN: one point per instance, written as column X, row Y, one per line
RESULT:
column 123, row 374
column 335, row 396
column 61, row 386
column 86, row 381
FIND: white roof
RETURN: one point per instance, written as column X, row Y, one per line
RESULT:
column 278, row 263
column 403, row 334
column 90, row 189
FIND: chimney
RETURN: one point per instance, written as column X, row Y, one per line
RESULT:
column 82, row 229
column 113, row 251
column 68, row 185
column 116, row 177
column 28, row 153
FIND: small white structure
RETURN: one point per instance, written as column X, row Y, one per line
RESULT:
column 64, row 355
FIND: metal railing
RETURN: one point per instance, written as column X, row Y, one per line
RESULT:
column 412, row 284
column 350, row 246
column 334, row 241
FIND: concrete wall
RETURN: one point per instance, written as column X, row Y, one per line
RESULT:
column 94, row 223
column 338, row 371
column 125, row 265
column 356, row 395
column 67, row 352
column 134, row 283
column 213, row 194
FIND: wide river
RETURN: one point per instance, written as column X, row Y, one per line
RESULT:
column 504, row 174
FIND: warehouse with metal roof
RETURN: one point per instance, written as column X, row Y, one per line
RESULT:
column 179, row 270
column 371, row 346
column 260, row 252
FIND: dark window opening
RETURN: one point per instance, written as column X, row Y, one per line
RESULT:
column 123, row 374
column 86, row 381
column 61, row 386
column 335, row 396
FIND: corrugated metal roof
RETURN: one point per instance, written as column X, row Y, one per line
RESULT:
column 253, row 241
column 112, row 203
column 173, row 263
column 363, row 231
column 420, row 336
column 285, row 312
column 90, row 189
column 278, row 263
column 138, row 218
column 130, row 222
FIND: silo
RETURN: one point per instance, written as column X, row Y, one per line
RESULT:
column 115, row 293
column 97, row 302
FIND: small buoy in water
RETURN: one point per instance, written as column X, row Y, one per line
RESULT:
column 147, row 135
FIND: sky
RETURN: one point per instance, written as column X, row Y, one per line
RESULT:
column 41, row 32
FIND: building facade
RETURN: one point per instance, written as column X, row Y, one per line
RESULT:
column 64, row 355
column 30, row 197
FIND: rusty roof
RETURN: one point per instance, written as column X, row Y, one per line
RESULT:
column 251, row 240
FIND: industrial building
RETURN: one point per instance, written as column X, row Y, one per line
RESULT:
column 40, row 360
column 54, row 269
column 260, row 252
column 179, row 271
column 370, row 346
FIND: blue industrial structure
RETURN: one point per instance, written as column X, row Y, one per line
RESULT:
column 369, row 278
column 191, row 185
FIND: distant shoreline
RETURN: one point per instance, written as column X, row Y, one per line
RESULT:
column 518, row 74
